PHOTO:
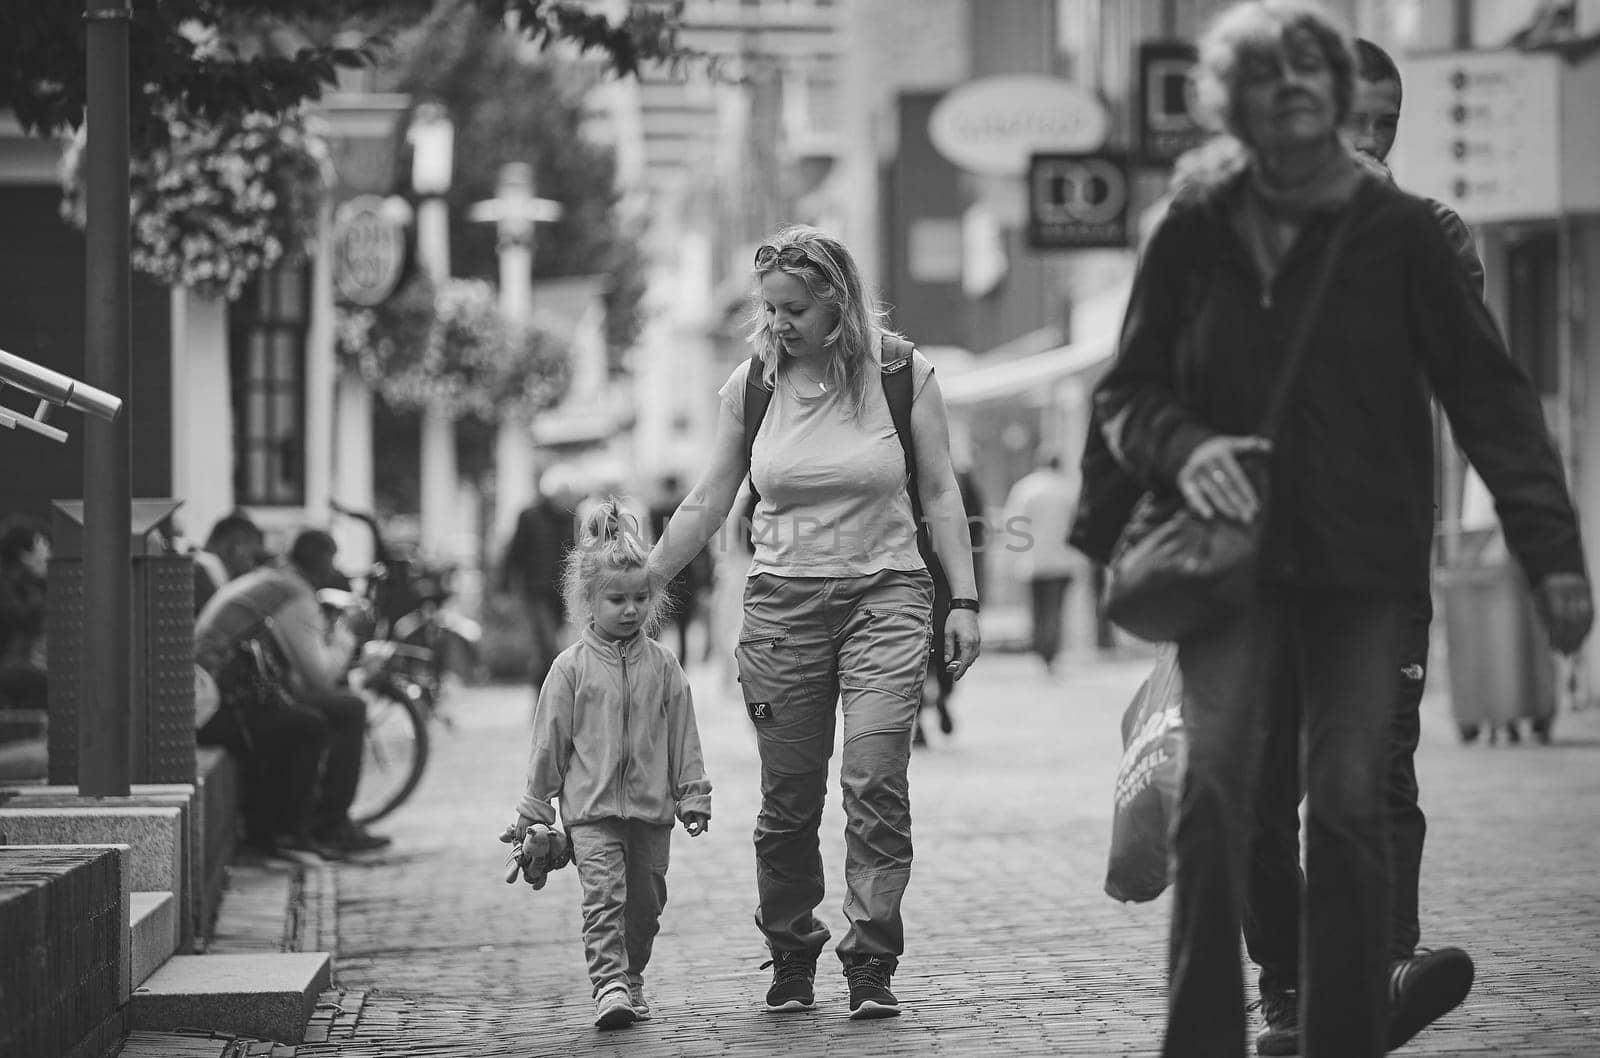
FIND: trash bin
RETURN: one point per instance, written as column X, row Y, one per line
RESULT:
column 1501, row 667
column 161, row 730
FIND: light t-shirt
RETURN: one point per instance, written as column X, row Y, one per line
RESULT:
column 833, row 487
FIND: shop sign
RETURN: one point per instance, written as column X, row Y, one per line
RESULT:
column 1167, row 125
column 1482, row 134
column 369, row 250
column 994, row 124
column 1078, row 201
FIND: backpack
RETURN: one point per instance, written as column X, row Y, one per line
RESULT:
column 896, row 379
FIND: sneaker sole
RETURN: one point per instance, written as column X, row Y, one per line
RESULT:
column 619, row 1018
column 871, row 1010
column 1434, row 996
column 793, row 1006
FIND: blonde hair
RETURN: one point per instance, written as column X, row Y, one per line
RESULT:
column 829, row 273
column 610, row 542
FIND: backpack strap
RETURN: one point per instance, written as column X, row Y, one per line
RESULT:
column 756, row 399
column 897, row 392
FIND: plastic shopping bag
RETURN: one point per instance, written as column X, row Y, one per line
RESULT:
column 1153, row 750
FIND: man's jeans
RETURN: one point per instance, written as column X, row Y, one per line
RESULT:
column 1335, row 655
column 622, row 866
column 1272, row 913
column 807, row 643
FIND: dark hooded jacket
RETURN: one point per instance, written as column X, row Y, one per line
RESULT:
column 1351, row 504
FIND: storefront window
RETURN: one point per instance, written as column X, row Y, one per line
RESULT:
column 268, row 326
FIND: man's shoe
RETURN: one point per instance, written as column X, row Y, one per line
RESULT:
column 303, row 848
column 792, row 975
column 614, row 1010
column 869, row 987
column 350, row 836
column 1280, row 1009
column 1424, row 988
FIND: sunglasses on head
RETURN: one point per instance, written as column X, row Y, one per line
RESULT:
column 767, row 255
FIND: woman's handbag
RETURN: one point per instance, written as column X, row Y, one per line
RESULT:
column 1173, row 572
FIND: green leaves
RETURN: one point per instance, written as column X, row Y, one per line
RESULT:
column 223, row 58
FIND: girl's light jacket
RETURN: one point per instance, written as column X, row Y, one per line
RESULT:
column 614, row 736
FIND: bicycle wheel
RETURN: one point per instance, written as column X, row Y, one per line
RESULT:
column 393, row 756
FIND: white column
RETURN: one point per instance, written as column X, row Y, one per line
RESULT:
column 202, row 414
column 439, row 478
column 352, row 467
column 513, row 453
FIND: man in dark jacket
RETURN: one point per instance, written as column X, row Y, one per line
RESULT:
column 532, row 569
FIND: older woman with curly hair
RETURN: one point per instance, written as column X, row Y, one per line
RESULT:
column 1347, row 525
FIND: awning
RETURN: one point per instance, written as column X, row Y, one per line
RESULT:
column 1027, row 374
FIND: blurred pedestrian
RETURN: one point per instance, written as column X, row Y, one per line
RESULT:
column 615, row 740
column 1039, row 507
column 685, row 596
column 938, row 686
column 1425, row 984
column 1346, row 533
column 24, row 562
column 301, row 751
column 234, row 547
column 532, row 569
column 838, row 602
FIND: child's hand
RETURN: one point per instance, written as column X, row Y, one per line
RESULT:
column 514, row 832
column 696, row 823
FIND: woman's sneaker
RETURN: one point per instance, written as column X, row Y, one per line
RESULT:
column 1424, row 988
column 614, row 1009
column 869, row 987
column 792, row 975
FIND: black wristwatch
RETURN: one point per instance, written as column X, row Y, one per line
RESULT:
column 964, row 604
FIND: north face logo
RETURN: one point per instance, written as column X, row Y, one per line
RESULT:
column 760, row 712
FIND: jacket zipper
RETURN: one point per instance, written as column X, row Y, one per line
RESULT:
column 627, row 742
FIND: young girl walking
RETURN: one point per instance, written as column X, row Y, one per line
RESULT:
column 615, row 741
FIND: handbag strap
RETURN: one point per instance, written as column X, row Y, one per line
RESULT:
column 1301, row 337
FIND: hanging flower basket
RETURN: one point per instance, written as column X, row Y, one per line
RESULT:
column 448, row 349
column 215, row 205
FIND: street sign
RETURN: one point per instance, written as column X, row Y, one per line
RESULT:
column 993, row 124
column 369, row 250
column 1078, row 201
column 1482, row 134
column 1166, row 115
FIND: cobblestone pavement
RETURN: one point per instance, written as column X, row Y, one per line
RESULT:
column 1012, row 946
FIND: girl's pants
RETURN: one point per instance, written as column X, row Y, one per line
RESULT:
column 622, row 866
column 807, row 643
column 1336, row 655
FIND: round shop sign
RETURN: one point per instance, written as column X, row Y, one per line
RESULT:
column 993, row 125
column 369, row 250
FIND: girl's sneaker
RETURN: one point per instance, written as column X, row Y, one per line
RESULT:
column 641, row 1008
column 614, row 1009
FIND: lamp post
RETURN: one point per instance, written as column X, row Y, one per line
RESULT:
column 106, row 706
column 514, row 211
column 432, row 139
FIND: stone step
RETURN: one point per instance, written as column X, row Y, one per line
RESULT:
column 268, row 996
column 152, row 928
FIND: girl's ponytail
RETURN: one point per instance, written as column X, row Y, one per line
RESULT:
column 610, row 541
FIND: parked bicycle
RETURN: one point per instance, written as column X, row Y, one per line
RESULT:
column 415, row 651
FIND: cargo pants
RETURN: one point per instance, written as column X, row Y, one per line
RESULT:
column 808, row 643
column 622, row 867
